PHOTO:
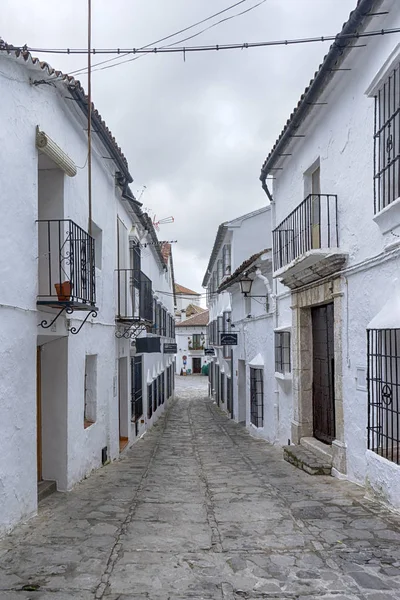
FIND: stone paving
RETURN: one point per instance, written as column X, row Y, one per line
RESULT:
column 199, row 510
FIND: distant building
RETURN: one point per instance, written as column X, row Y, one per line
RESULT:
column 186, row 302
column 191, row 338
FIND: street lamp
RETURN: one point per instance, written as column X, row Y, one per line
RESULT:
column 245, row 285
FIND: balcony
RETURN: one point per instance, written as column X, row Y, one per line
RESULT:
column 194, row 346
column 134, row 297
column 306, row 243
column 66, row 266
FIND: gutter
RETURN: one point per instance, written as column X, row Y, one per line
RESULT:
column 325, row 73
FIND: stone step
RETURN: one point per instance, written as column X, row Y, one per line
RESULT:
column 308, row 461
column 323, row 451
column 46, row 488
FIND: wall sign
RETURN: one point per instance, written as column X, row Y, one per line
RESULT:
column 170, row 348
column 209, row 352
column 229, row 339
column 148, row 345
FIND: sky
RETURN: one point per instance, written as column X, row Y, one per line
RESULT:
column 195, row 131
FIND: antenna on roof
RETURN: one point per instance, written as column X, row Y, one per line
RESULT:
column 164, row 221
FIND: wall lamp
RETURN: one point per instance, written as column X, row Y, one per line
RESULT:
column 245, row 285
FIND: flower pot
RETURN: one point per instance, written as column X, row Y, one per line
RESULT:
column 64, row 291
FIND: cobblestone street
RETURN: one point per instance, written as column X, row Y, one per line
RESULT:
column 197, row 509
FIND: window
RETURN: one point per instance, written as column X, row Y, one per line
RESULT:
column 386, row 139
column 196, row 341
column 162, row 388
column 149, row 400
column 384, row 393
column 222, row 387
column 136, row 388
column 220, row 329
column 229, row 394
column 282, row 352
column 155, row 394
column 97, row 234
column 226, row 259
column 219, row 272
column 256, row 397
column 90, row 393
column 227, row 329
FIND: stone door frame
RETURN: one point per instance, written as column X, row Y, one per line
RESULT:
column 302, row 422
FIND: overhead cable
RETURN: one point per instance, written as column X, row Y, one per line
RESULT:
column 206, row 48
column 84, row 69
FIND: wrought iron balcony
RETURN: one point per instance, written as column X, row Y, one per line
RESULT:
column 306, row 242
column 134, row 296
column 66, row 265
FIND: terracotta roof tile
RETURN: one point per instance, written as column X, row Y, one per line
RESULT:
column 200, row 320
column 180, row 289
column 241, row 269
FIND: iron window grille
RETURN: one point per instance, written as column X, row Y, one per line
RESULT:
column 229, row 394
column 162, row 388
column 227, row 329
column 66, row 259
column 149, row 400
column 195, row 343
column 282, row 352
column 219, row 273
column 222, row 379
column 226, row 259
column 387, row 142
column 256, row 397
column 136, row 390
column 383, row 377
column 311, row 226
column 155, row 394
column 220, row 329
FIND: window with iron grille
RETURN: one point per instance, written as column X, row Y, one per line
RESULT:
column 136, row 388
column 387, row 140
column 282, row 352
column 149, row 400
column 227, row 329
column 229, row 394
column 155, row 394
column 256, row 397
column 383, row 347
column 220, row 329
column 226, row 259
column 222, row 387
column 219, row 273
column 162, row 388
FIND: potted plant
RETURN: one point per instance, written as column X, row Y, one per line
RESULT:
column 64, row 291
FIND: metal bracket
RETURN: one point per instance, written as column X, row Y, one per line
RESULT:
column 131, row 332
column 74, row 330
column 46, row 325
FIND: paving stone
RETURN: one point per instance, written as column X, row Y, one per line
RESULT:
column 199, row 510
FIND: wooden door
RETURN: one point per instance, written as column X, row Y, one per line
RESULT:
column 323, row 373
column 39, row 413
column 196, row 363
column 316, row 209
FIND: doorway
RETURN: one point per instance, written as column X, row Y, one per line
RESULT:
column 123, row 402
column 323, row 373
column 196, row 364
column 39, row 414
column 241, row 391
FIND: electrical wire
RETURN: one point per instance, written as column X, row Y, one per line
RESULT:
column 84, row 69
column 184, row 39
column 210, row 48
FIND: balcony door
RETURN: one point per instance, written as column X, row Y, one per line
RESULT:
column 316, row 208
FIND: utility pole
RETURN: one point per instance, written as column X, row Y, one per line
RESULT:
column 90, row 115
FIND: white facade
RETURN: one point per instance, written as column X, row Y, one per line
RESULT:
column 192, row 341
column 185, row 298
column 66, row 399
column 333, row 154
column 252, row 318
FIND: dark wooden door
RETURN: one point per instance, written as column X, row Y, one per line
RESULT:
column 323, row 373
column 196, row 363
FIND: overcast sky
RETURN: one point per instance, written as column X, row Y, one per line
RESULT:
column 195, row 133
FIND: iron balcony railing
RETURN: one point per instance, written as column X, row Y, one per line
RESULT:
column 66, row 264
column 134, row 296
column 312, row 225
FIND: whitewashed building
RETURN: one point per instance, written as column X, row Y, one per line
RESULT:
column 336, row 243
column 192, row 343
column 187, row 302
column 76, row 288
column 241, row 376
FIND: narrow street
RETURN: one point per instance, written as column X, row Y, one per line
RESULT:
column 199, row 510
